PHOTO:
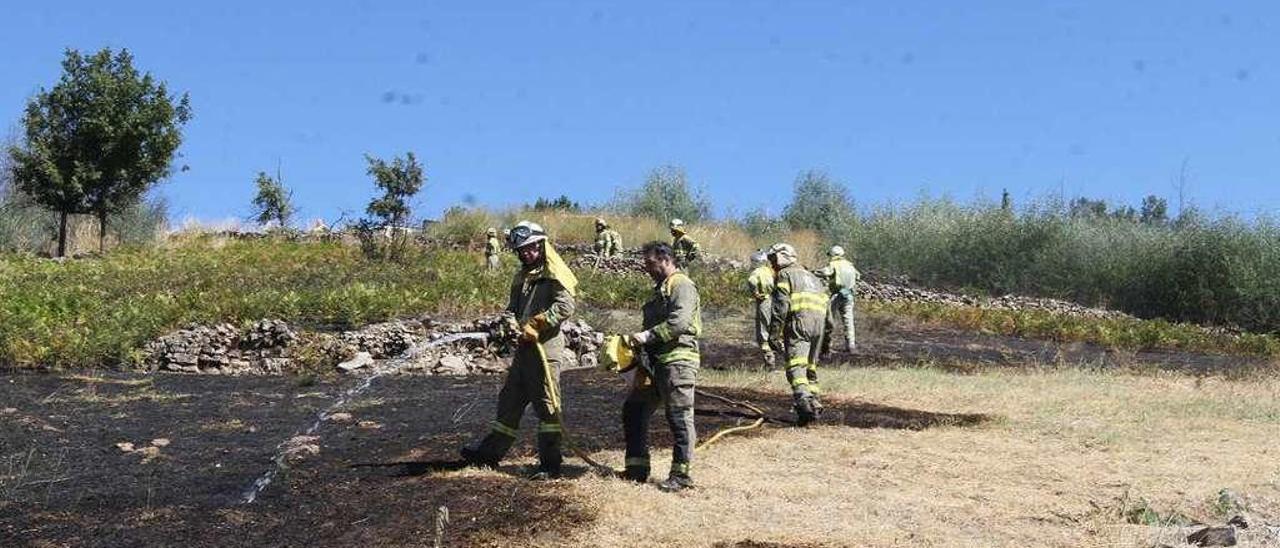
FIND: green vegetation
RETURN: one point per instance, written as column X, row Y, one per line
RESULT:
column 273, row 203
column 100, row 312
column 666, row 194
column 1222, row 271
column 98, row 140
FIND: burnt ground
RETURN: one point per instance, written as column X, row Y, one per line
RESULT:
column 890, row 341
column 63, row 481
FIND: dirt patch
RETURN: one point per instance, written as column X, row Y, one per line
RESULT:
column 889, row 341
column 72, row 484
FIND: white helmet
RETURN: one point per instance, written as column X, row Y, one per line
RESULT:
column 836, row 251
column 783, row 254
column 600, row 223
column 525, row 233
column 677, row 225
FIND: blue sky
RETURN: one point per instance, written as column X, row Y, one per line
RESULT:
column 509, row 101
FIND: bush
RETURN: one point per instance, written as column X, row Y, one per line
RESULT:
column 1216, row 271
column 666, row 194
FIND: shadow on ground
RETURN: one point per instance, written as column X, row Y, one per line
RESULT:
column 64, row 481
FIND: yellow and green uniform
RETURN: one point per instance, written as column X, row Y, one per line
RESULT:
column 538, row 297
column 492, row 248
column 760, row 284
column 608, row 243
column 842, row 281
column 686, row 248
column 799, row 315
column 673, row 319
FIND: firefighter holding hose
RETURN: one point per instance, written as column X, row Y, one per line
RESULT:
column 542, row 297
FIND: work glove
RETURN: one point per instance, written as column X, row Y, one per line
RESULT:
column 639, row 339
column 528, row 333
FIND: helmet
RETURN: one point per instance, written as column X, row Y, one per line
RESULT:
column 600, row 223
column 525, row 233
column 836, row 251
column 783, row 254
column 759, row 257
column 677, row 225
column 492, row 231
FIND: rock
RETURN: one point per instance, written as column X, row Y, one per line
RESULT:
column 160, row 442
column 451, row 365
column 298, row 448
column 369, row 425
column 1213, row 536
column 125, row 447
column 361, row 359
column 338, row 417
column 148, row 453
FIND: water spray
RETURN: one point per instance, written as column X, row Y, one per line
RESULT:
column 395, row 364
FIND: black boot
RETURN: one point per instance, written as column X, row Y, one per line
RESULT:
column 805, row 413
column 474, row 457
column 676, row 482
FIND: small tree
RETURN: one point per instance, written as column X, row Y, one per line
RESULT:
column 399, row 180
column 666, row 194
column 818, row 204
column 98, row 139
column 274, row 202
column 1155, row 210
column 563, row 203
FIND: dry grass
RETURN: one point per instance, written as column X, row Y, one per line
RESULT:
column 1072, row 453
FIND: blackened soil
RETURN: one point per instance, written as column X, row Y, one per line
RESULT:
column 64, row 481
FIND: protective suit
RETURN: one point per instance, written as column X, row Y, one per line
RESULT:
column 541, row 299
column 842, row 281
column 672, row 324
column 799, row 315
column 760, row 285
column 608, row 241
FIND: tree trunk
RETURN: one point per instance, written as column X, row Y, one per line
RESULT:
column 62, row 233
column 102, row 232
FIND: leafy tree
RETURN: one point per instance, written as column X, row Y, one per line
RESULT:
column 1087, row 208
column 563, row 203
column 759, row 223
column 274, row 202
column 666, row 194
column 1155, row 210
column 818, row 204
column 399, row 180
column 98, row 139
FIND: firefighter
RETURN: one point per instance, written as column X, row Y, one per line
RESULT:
column 542, row 297
column 760, row 284
column 796, row 325
column 491, row 250
column 669, row 345
column 608, row 241
column 686, row 248
column 842, row 281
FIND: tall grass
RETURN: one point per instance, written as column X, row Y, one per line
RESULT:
column 1218, row 271
column 27, row 227
column 725, row 239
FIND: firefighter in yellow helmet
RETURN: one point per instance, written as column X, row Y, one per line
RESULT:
column 799, row 314
column 842, row 281
column 492, row 247
column 669, row 344
column 760, row 285
column 608, row 241
column 686, row 248
column 542, row 297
